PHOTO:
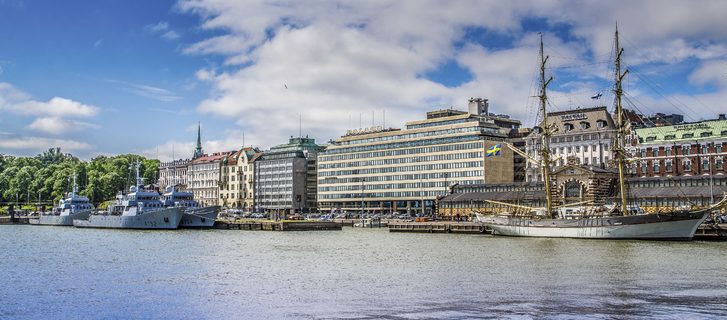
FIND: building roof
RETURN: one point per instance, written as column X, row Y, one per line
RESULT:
column 687, row 132
column 218, row 156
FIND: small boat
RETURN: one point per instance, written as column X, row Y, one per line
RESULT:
column 138, row 209
column 71, row 207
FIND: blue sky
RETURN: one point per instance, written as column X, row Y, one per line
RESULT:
column 110, row 77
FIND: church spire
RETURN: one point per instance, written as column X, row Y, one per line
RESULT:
column 198, row 150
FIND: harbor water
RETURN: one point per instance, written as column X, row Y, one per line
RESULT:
column 71, row 273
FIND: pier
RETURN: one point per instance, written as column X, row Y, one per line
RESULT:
column 711, row 232
column 253, row 225
column 439, row 227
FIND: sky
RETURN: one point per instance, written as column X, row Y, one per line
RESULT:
column 114, row 77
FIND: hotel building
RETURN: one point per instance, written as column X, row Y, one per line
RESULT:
column 582, row 135
column 394, row 170
column 688, row 149
column 203, row 177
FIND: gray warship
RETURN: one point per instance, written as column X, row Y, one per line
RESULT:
column 73, row 206
column 138, row 209
column 194, row 216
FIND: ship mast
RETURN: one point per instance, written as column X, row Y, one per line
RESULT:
column 618, row 148
column 545, row 150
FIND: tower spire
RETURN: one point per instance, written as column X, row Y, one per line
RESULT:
column 198, row 150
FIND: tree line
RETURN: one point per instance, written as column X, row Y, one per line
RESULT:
column 49, row 175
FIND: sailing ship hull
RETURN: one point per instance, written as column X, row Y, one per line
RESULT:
column 200, row 217
column 671, row 226
column 167, row 218
column 53, row 220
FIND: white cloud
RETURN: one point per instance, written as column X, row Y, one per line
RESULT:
column 161, row 26
column 57, row 126
column 171, row 35
column 56, row 106
column 39, row 144
column 331, row 61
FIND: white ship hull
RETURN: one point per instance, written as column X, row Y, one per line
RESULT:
column 53, row 220
column 167, row 218
column 199, row 217
column 674, row 226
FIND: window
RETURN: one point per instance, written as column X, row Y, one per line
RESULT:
column 718, row 163
column 642, row 153
column 667, row 151
column 585, row 160
column 687, row 165
column 578, row 148
column 643, row 167
column 585, row 125
column 705, row 148
column 601, row 123
column 705, row 134
column 686, row 150
column 723, row 133
column 705, row 164
column 718, row 147
column 670, row 137
column 687, row 135
column 668, row 166
column 656, row 166
column 568, row 127
column 650, row 138
column 585, row 148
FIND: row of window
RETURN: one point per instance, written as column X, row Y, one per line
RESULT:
column 411, row 135
column 402, row 152
column 688, row 135
column 400, row 194
column 428, row 167
column 439, row 123
column 397, row 145
column 584, row 125
column 413, row 185
column 686, row 165
column 686, row 150
column 438, row 157
column 404, row 177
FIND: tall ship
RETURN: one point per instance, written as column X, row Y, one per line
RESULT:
column 138, row 209
column 622, row 221
column 193, row 216
column 70, row 207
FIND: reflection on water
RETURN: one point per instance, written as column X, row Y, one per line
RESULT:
column 57, row 272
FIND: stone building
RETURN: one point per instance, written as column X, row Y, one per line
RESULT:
column 582, row 134
column 394, row 170
column 237, row 179
column 173, row 173
column 203, row 177
column 688, row 149
column 284, row 179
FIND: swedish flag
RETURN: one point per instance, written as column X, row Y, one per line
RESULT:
column 494, row 150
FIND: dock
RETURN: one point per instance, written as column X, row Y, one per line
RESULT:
column 439, row 227
column 254, row 225
column 711, row 232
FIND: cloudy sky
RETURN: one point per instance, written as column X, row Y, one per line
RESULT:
column 110, row 77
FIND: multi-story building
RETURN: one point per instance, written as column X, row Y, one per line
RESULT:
column 173, row 173
column 585, row 135
column 236, row 179
column 394, row 170
column 285, row 177
column 688, row 149
column 203, row 177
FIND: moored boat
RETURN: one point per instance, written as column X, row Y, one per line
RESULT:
column 594, row 222
column 193, row 216
column 71, row 207
column 138, row 209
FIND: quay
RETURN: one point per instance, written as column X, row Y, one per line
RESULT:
column 277, row 225
column 439, row 227
column 711, row 232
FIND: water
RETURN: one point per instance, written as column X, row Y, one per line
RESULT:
column 63, row 272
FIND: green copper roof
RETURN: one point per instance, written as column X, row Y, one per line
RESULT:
column 704, row 130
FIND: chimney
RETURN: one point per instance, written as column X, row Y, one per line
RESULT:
column 721, row 116
column 478, row 106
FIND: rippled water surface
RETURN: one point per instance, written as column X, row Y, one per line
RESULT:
column 61, row 272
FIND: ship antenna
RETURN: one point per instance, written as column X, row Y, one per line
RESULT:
column 139, row 183
column 545, row 150
column 75, row 187
column 617, row 145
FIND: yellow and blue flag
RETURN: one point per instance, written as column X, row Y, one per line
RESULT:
column 494, row 150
